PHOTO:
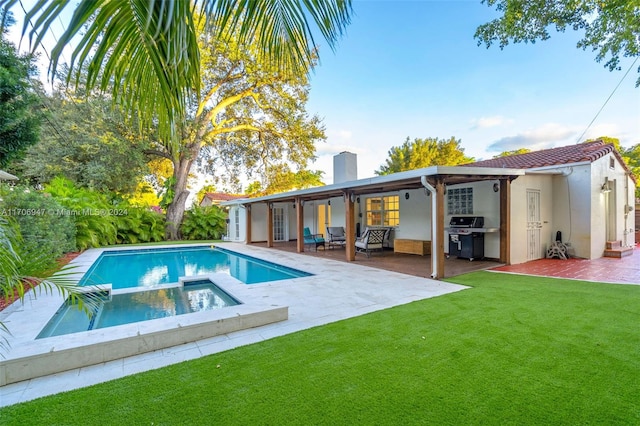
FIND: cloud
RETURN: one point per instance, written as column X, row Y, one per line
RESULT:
column 545, row 136
column 486, row 122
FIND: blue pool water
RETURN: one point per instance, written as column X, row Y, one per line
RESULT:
column 139, row 306
column 148, row 268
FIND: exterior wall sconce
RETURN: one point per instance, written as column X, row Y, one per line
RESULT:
column 496, row 187
column 406, row 195
column 606, row 186
column 352, row 197
column 329, row 202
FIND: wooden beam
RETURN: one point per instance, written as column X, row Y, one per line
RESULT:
column 350, row 228
column 439, row 218
column 270, row 224
column 505, row 221
column 300, row 225
column 248, row 218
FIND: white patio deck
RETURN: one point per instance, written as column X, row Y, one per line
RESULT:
column 336, row 291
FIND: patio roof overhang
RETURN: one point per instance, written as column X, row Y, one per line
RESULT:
column 434, row 179
column 412, row 179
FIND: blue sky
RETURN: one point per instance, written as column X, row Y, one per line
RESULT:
column 413, row 69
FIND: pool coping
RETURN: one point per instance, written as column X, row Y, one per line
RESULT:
column 336, row 291
column 29, row 357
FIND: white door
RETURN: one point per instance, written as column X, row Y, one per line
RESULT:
column 534, row 225
column 280, row 224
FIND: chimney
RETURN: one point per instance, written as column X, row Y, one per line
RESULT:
column 345, row 167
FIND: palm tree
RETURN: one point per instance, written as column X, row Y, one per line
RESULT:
column 146, row 51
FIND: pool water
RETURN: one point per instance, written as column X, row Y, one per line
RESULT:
column 139, row 306
column 149, row 268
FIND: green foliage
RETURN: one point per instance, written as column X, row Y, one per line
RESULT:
column 631, row 156
column 204, row 223
column 19, row 104
column 424, row 153
column 139, row 225
column 46, row 231
column 612, row 28
column 514, row 152
column 92, row 212
column 87, row 142
column 282, row 179
column 156, row 64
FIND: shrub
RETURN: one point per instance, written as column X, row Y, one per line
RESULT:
column 47, row 231
column 139, row 225
column 204, row 223
column 92, row 212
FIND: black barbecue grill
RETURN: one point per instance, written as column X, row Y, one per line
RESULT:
column 466, row 237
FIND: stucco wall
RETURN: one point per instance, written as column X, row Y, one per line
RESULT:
column 415, row 216
column 622, row 191
column 519, row 187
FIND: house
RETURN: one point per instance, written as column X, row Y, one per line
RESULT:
column 581, row 194
column 584, row 191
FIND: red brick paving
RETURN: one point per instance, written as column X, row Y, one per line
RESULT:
column 606, row 269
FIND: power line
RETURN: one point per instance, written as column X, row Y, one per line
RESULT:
column 605, row 102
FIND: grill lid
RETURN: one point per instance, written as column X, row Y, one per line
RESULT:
column 467, row 222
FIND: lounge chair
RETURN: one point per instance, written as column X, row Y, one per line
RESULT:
column 335, row 235
column 372, row 239
column 313, row 239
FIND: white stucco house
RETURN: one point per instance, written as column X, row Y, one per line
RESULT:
column 583, row 192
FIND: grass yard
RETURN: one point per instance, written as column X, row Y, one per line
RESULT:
column 512, row 350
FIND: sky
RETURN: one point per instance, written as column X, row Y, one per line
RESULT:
column 413, row 69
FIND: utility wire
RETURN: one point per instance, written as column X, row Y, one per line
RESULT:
column 605, row 102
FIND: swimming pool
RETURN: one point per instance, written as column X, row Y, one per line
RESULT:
column 152, row 267
column 119, row 309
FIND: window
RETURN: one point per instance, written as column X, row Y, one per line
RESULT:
column 612, row 163
column 383, row 211
column 460, row 201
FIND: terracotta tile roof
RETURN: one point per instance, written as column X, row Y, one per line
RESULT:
column 222, row 196
column 581, row 152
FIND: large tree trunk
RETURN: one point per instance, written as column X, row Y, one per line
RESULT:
column 175, row 210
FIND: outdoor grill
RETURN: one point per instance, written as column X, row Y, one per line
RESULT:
column 466, row 237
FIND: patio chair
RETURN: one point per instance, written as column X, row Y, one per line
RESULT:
column 372, row 239
column 313, row 239
column 336, row 236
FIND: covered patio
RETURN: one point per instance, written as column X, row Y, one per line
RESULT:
column 410, row 264
column 433, row 180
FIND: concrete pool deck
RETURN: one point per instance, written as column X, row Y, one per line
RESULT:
column 336, row 291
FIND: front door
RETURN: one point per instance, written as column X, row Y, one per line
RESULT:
column 534, row 225
column 280, row 224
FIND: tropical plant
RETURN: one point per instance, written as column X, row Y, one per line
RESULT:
column 138, row 225
column 16, row 275
column 47, row 232
column 93, row 213
column 149, row 48
column 204, row 223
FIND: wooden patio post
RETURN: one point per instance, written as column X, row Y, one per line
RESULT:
column 248, row 225
column 350, row 241
column 505, row 221
column 439, row 218
column 270, row 224
column 300, row 225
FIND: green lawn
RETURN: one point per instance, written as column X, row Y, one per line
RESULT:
column 512, row 350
